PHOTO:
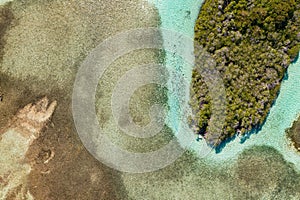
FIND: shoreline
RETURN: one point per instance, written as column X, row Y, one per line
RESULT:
column 273, row 132
column 235, row 147
column 216, row 177
column 181, row 19
column 252, row 66
column 293, row 135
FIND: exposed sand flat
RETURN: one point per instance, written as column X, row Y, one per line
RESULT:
column 43, row 47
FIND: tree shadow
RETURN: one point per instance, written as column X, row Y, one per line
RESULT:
column 243, row 138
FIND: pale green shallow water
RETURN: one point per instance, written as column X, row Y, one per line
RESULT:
column 180, row 16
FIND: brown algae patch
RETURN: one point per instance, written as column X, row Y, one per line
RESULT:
column 71, row 164
column 43, row 50
column 263, row 173
column 23, row 129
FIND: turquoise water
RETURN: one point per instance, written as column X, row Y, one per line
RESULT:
column 180, row 16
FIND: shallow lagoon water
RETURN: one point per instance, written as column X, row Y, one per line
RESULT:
column 192, row 178
column 239, row 171
column 180, row 16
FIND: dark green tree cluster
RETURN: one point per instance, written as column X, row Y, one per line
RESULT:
column 293, row 134
column 252, row 42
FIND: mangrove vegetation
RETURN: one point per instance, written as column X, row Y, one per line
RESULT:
column 252, row 42
column 293, row 134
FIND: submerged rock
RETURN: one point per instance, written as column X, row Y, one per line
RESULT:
column 15, row 141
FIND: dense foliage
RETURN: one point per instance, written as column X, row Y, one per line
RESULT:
column 252, row 42
column 293, row 134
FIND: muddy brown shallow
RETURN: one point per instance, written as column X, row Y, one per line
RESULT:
column 72, row 173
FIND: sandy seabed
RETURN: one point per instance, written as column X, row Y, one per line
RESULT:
column 42, row 45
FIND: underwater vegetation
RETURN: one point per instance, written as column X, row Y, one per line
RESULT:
column 252, row 42
column 42, row 47
column 293, row 134
column 6, row 17
column 263, row 171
